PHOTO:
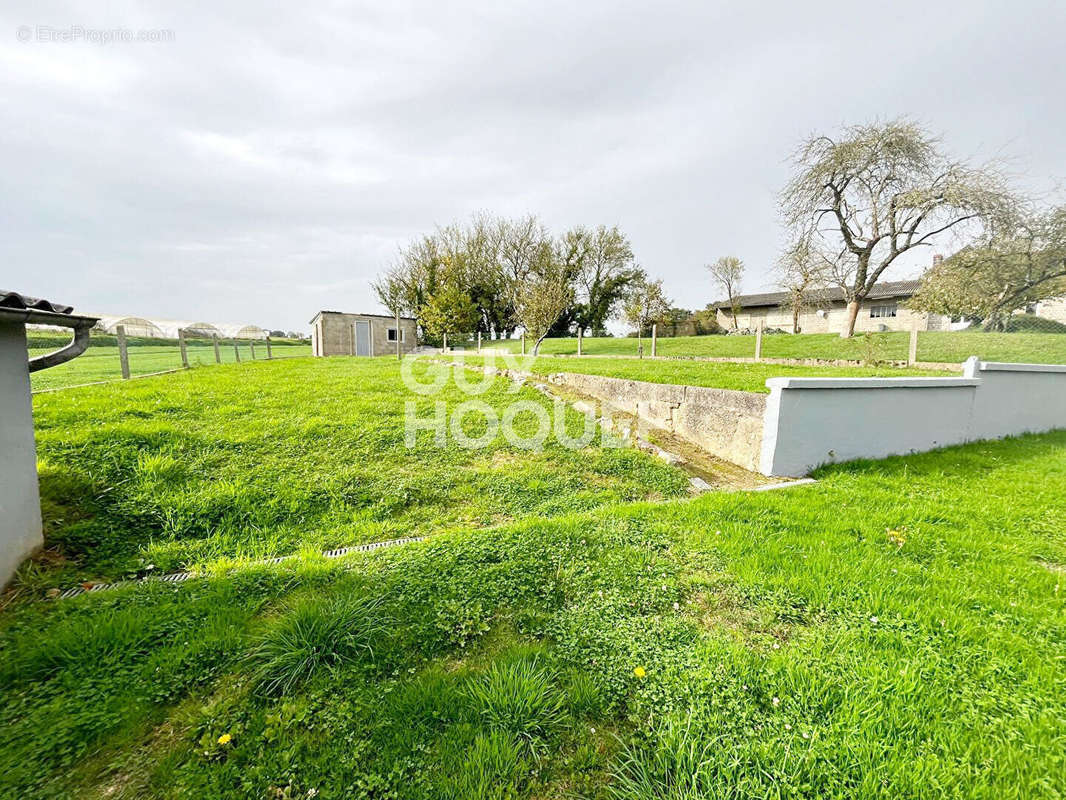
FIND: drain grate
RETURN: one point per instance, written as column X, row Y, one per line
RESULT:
column 181, row 577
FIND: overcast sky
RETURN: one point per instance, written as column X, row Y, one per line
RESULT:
column 270, row 159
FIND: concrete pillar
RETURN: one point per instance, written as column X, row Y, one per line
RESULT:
column 579, row 341
column 270, row 355
column 758, row 340
column 445, row 348
column 654, row 338
column 123, row 354
column 20, row 518
column 479, row 341
column 399, row 337
column 912, row 350
column 182, row 348
column 236, row 351
column 218, row 355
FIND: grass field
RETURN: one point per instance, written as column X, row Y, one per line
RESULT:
column 742, row 377
column 100, row 362
column 940, row 346
column 896, row 630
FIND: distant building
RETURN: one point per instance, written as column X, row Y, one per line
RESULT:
column 334, row 333
column 168, row 328
column 826, row 312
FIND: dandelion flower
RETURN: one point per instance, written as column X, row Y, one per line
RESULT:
column 640, row 672
column 225, row 739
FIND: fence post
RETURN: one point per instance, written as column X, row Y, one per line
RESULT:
column 399, row 336
column 579, row 341
column 218, row 356
column 445, row 348
column 123, row 354
column 654, row 338
column 523, row 342
column 912, row 351
column 479, row 341
column 758, row 341
column 236, row 351
column 182, row 348
column 270, row 355
column 251, row 344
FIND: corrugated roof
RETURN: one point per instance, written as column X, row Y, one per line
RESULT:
column 23, row 302
column 880, row 291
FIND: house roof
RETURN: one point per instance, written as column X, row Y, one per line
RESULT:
column 353, row 314
column 880, row 291
column 23, row 302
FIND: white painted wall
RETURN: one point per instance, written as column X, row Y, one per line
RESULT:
column 20, row 505
column 814, row 421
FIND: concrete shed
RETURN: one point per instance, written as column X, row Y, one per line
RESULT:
column 335, row 333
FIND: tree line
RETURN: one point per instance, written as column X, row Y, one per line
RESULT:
column 493, row 275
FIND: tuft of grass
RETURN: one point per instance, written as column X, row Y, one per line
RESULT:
column 316, row 634
column 493, row 768
column 521, row 698
column 674, row 764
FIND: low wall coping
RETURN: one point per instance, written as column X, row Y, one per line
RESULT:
column 1006, row 366
column 869, row 383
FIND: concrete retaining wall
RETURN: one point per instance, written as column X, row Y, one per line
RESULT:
column 725, row 423
column 815, row 421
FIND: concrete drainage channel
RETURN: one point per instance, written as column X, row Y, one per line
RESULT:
column 181, row 577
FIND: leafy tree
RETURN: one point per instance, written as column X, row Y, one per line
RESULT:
column 450, row 311
column 541, row 297
column 645, row 304
column 728, row 272
column 879, row 191
column 1020, row 263
column 608, row 269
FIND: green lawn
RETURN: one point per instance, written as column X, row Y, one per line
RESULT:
column 722, row 375
column 896, row 630
column 942, row 346
column 100, row 362
column 266, row 458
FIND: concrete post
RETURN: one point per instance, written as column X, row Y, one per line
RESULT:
column 123, row 354
column 236, row 351
column 912, row 351
column 758, row 340
column 579, row 341
column 445, row 348
column 479, row 341
column 654, row 338
column 399, row 336
column 270, row 355
column 183, row 349
column 20, row 520
column 523, row 342
column 251, row 344
column 218, row 355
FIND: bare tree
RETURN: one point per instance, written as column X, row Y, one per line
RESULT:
column 804, row 275
column 1022, row 262
column 728, row 272
column 874, row 194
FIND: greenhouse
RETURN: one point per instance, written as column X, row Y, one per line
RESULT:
column 168, row 328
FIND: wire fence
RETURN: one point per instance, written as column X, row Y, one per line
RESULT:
column 1024, row 339
column 111, row 357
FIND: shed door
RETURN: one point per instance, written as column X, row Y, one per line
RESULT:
column 362, row 337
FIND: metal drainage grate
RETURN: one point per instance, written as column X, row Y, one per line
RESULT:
column 181, row 577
